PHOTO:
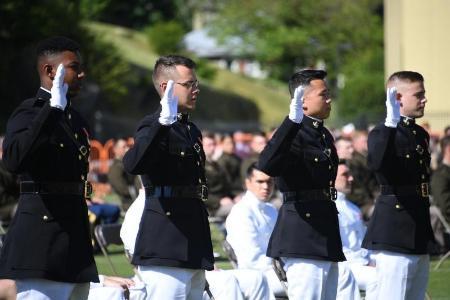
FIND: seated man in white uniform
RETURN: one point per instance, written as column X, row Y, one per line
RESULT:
column 223, row 284
column 250, row 224
column 352, row 231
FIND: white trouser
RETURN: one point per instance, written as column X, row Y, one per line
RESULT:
column 401, row 276
column 347, row 287
column 172, row 283
column 43, row 289
column 311, row 279
column 238, row 285
column 366, row 277
column 274, row 283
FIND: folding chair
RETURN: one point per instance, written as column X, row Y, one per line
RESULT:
column 108, row 234
column 447, row 233
column 277, row 265
column 230, row 253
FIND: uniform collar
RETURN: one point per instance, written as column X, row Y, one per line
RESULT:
column 183, row 117
column 407, row 121
column 44, row 94
column 313, row 122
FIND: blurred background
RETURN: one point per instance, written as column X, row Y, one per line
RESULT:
column 246, row 51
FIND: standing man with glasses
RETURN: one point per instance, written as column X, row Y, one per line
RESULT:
column 48, row 248
column 400, row 228
column 302, row 157
column 173, row 246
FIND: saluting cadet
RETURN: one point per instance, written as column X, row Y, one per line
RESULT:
column 173, row 246
column 400, row 228
column 48, row 249
column 302, row 157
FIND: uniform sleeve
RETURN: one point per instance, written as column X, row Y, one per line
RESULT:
column 273, row 158
column 379, row 141
column 147, row 144
column 24, row 130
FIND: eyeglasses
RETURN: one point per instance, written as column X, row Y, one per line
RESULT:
column 190, row 84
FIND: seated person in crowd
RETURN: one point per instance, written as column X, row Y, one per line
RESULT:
column 352, row 229
column 104, row 213
column 257, row 144
column 220, row 199
column 122, row 183
column 250, row 224
column 231, row 164
column 223, row 284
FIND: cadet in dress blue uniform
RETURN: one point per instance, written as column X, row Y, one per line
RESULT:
column 302, row 157
column 48, row 248
column 400, row 228
column 173, row 246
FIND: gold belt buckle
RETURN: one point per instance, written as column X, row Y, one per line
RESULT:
column 87, row 190
column 424, row 189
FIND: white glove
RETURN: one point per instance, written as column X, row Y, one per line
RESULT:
column 296, row 107
column 169, row 104
column 59, row 89
column 392, row 108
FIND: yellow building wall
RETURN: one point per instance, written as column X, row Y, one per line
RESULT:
column 417, row 38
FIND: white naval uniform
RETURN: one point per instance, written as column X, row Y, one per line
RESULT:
column 352, row 230
column 98, row 291
column 43, row 289
column 224, row 285
column 249, row 226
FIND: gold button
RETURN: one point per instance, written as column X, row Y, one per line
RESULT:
column 182, row 153
column 421, row 161
column 61, row 145
column 70, row 116
column 397, row 206
column 414, row 132
column 76, row 136
column 189, row 127
column 168, row 213
column 199, row 180
column 423, row 176
column 316, row 159
column 331, row 182
column 82, row 177
column 323, row 135
column 407, row 155
column 308, row 215
column 45, row 218
column 329, row 167
column 198, row 163
column 79, row 156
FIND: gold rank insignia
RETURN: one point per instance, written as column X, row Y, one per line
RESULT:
column 406, row 121
column 327, row 152
column 316, row 124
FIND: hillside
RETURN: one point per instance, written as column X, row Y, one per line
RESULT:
column 228, row 98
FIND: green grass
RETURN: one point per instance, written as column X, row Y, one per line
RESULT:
column 271, row 97
column 438, row 287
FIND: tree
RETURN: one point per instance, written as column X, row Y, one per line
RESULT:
column 292, row 34
column 23, row 24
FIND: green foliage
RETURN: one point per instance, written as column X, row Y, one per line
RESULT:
column 289, row 35
column 25, row 23
column 205, row 69
column 362, row 98
column 165, row 37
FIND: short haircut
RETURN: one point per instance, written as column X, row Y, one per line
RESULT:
column 250, row 169
column 342, row 138
column 55, row 45
column 445, row 142
column 446, row 129
column 409, row 76
column 304, row 77
column 165, row 65
column 208, row 134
